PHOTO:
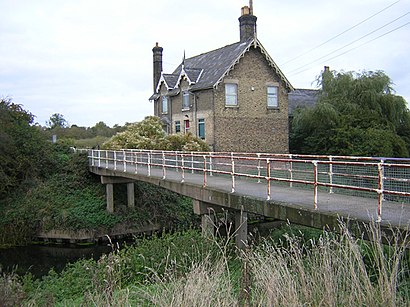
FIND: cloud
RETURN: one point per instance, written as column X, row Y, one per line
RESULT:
column 92, row 61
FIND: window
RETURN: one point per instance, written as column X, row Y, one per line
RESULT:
column 177, row 126
column 272, row 92
column 186, row 124
column 201, row 128
column 185, row 100
column 164, row 105
column 231, row 94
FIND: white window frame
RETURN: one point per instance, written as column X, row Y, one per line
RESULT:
column 164, row 104
column 272, row 94
column 201, row 122
column 187, row 125
column 231, row 94
column 185, row 100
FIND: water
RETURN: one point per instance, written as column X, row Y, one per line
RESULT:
column 39, row 259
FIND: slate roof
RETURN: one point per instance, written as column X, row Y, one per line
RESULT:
column 208, row 69
column 302, row 98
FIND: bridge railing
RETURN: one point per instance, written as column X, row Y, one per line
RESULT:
column 379, row 178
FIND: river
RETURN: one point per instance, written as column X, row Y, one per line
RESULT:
column 39, row 259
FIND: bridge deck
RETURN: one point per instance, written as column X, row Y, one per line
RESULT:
column 251, row 196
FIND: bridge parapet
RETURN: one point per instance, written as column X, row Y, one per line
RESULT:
column 378, row 178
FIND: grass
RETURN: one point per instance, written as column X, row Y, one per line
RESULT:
column 185, row 269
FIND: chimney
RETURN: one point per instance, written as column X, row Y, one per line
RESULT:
column 157, row 54
column 247, row 23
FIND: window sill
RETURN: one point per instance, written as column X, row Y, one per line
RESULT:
column 231, row 107
column 186, row 109
column 273, row 108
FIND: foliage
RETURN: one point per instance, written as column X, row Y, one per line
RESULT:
column 139, row 264
column 74, row 199
column 185, row 142
column 24, row 152
column 186, row 269
column 357, row 114
column 148, row 134
column 57, row 120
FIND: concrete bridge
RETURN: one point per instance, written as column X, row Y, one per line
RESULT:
column 315, row 191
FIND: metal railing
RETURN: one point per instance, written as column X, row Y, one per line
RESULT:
column 379, row 178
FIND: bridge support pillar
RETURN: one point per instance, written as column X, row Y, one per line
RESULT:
column 109, row 188
column 241, row 229
column 208, row 225
column 130, row 195
column 207, row 213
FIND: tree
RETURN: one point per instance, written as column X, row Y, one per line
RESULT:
column 24, row 152
column 148, row 134
column 57, row 120
column 356, row 114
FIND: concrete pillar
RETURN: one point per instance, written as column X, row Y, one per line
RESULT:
column 208, row 225
column 109, row 187
column 241, row 228
column 130, row 195
column 207, row 213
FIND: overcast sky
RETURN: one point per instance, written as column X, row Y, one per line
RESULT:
column 91, row 60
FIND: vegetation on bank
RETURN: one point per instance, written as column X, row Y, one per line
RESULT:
column 45, row 186
column 74, row 199
column 186, row 269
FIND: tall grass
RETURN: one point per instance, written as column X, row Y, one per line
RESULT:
column 331, row 270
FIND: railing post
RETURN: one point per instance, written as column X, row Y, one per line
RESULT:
column 124, row 156
column 192, row 162
column 176, row 161
column 182, row 168
column 268, row 177
column 331, row 175
column 99, row 158
column 380, row 190
column 115, row 160
column 136, row 162
column 204, row 170
column 163, row 166
column 210, row 164
column 106, row 159
column 259, row 167
column 92, row 157
column 291, row 170
column 149, row 162
column 233, row 173
column 315, row 184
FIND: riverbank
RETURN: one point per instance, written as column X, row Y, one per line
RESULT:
column 188, row 269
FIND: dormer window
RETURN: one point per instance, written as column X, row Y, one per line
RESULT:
column 185, row 100
column 164, row 105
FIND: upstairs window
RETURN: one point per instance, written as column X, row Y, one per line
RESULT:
column 164, row 105
column 177, row 126
column 231, row 94
column 201, row 128
column 185, row 100
column 272, row 94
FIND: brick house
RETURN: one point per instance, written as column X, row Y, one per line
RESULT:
column 234, row 97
